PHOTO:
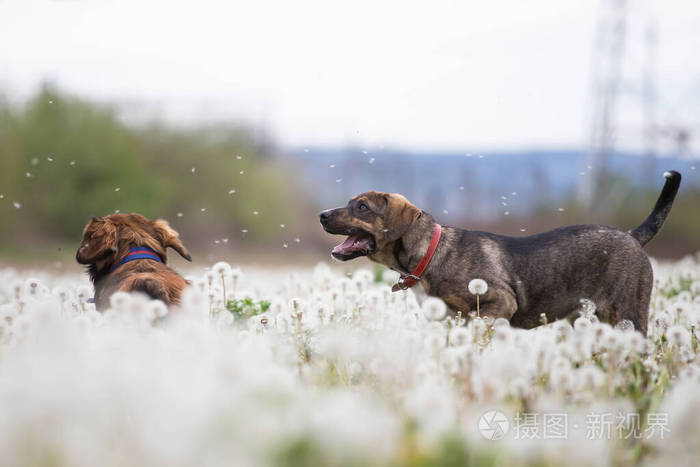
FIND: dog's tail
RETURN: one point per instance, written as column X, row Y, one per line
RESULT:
column 653, row 223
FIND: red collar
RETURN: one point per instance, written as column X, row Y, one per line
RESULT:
column 408, row 281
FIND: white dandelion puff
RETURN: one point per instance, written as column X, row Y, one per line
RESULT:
column 678, row 335
column 478, row 287
column 434, row 309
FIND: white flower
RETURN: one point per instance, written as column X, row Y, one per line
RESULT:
column 157, row 308
column 478, row 286
column 434, row 309
column 221, row 269
column 678, row 336
column 236, row 274
column 119, row 300
column 459, row 336
column 62, row 293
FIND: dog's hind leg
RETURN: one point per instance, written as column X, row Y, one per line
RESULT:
column 151, row 287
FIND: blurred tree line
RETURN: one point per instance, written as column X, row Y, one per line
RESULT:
column 64, row 160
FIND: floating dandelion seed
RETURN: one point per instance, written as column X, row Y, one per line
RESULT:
column 72, row 163
column 117, row 211
column 481, row 156
column 297, row 239
column 244, row 230
column 282, row 226
column 203, row 209
column 338, row 180
column 28, row 174
column 477, row 287
column 194, row 169
column 561, row 209
column 582, row 173
column 50, row 102
column 371, row 160
column 117, row 189
column 306, row 150
column 692, row 167
column 217, row 241
column 444, row 211
column 179, row 214
column 242, row 172
column 515, row 193
column 461, row 188
column 365, row 152
column 1, row 196
column 507, row 213
column 225, row 240
column 255, row 213
column 239, row 157
column 285, row 245
column 522, row 230
column 16, row 205
column 49, row 158
column 35, row 161
column 503, row 198
column 504, row 203
column 230, row 192
column 332, row 166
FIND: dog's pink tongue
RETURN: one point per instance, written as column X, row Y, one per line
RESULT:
column 353, row 243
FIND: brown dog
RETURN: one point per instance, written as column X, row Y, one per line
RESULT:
column 548, row 273
column 126, row 252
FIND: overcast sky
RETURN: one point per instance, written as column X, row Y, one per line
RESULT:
column 416, row 75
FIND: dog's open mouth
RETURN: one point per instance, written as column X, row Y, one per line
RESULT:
column 357, row 244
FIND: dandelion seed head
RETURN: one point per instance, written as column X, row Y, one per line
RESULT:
column 678, row 335
column 477, row 287
column 221, row 269
column 434, row 309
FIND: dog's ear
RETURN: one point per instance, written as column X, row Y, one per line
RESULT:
column 170, row 238
column 100, row 240
column 399, row 216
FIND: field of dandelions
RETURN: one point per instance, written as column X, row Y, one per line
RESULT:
column 313, row 367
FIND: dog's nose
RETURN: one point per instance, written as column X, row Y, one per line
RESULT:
column 325, row 215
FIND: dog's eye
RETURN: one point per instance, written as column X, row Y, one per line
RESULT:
column 362, row 207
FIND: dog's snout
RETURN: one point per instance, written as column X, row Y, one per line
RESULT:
column 325, row 215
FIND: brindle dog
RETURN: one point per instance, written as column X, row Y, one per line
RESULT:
column 547, row 273
column 107, row 242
